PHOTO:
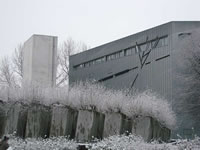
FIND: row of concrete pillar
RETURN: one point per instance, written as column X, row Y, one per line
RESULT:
column 37, row 120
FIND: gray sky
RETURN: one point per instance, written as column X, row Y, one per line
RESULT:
column 94, row 22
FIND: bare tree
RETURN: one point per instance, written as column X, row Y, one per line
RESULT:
column 17, row 63
column 18, row 60
column 6, row 72
column 11, row 72
column 68, row 47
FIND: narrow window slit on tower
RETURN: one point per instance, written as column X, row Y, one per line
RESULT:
column 122, row 72
column 162, row 57
column 116, row 74
column 147, row 63
column 134, row 68
column 106, row 78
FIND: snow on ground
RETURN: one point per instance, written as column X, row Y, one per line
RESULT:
column 132, row 142
column 118, row 142
column 59, row 143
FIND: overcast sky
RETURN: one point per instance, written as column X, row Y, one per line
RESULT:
column 94, row 22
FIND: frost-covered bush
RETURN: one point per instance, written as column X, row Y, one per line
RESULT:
column 27, row 94
column 32, row 93
column 132, row 142
column 95, row 96
column 56, row 96
column 150, row 104
column 59, row 143
column 99, row 98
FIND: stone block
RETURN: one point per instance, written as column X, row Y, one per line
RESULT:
column 3, row 117
column 115, row 124
column 126, row 125
column 38, row 121
column 16, row 119
column 150, row 129
column 63, row 122
column 142, row 126
column 160, row 132
column 89, row 125
column 22, row 121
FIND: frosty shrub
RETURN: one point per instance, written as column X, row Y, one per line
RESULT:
column 32, row 93
column 27, row 94
column 97, row 97
column 150, row 104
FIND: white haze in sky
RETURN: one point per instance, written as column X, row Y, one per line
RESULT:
column 94, row 22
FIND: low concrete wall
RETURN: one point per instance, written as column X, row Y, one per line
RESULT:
column 89, row 125
column 116, row 123
column 149, row 129
column 142, row 126
column 83, row 125
column 63, row 122
column 38, row 121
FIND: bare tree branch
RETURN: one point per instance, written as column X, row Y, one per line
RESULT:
column 6, row 72
column 18, row 60
column 68, row 47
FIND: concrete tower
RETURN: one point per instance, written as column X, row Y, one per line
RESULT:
column 40, row 52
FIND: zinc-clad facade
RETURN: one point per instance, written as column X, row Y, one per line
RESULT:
column 146, row 60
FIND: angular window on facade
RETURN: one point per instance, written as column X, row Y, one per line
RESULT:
column 91, row 63
column 165, row 41
column 97, row 61
column 159, row 43
column 81, row 65
column 113, row 56
column 87, row 64
column 121, row 54
column 133, row 50
column 143, row 47
column 76, row 67
column 162, row 42
column 153, row 44
column 117, row 55
column 108, row 57
column 103, row 59
column 128, row 52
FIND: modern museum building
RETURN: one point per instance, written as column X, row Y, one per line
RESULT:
column 157, row 59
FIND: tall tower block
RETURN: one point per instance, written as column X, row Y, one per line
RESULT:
column 40, row 52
